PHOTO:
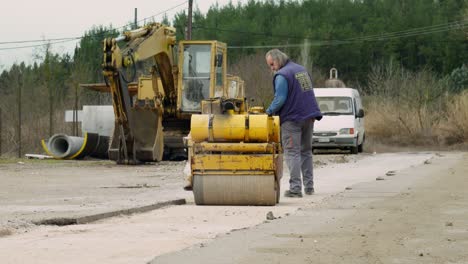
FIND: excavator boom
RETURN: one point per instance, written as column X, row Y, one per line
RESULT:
column 138, row 124
column 152, row 112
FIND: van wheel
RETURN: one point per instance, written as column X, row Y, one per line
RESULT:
column 354, row 150
column 361, row 147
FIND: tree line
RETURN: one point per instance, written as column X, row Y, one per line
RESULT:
column 352, row 35
column 355, row 36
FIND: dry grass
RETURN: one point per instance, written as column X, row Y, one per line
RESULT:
column 393, row 123
column 453, row 128
column 396, row 124
column 34, row 128
column 414, row 109
column 5, row 232
column 259, row 79
column 391, row 126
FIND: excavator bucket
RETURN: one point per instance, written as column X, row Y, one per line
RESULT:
column 147, row 133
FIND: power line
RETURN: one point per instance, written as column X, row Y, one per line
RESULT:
column 385, row 36
column 174, row 7
column 422, row 30
column 249, row 32
column 63, row 40
column 37, row 40
column 301, row 45
column 38, row 45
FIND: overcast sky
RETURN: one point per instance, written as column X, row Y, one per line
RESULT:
column 24, row 20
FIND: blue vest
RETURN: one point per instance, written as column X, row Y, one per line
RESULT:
column 301, row 103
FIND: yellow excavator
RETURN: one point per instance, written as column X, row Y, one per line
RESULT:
column 234, row 152
column 156, row 85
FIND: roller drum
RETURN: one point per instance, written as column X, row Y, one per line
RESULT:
column 235, row 190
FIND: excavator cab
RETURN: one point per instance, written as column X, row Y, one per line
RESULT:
column 203, row 73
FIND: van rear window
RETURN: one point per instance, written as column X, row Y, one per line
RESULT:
column 335, row 105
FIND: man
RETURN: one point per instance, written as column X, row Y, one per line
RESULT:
column 297, row 107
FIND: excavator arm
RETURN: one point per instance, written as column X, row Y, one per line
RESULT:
column 138, row 123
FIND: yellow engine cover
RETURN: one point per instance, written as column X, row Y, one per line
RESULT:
column 234, row 128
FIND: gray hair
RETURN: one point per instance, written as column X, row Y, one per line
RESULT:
column 278, row 56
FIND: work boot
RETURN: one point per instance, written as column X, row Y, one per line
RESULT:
column 309, row 191
column 293, row 194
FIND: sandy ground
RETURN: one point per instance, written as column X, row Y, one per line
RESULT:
column 419, row 215
column 335, row 223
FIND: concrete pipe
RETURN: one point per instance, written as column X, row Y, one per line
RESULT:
column 62, row 146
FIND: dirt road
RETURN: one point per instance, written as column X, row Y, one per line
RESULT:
column 417, row 214
column 420, row 215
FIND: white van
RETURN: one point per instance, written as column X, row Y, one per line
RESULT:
column 342, row 125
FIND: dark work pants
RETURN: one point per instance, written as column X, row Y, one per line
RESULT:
column 296, row 138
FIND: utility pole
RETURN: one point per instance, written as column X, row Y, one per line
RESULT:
column 1, row 131
column 135, row 24
column 51, row 95
column 189, row 22
column 20, row 83
column 75, row 113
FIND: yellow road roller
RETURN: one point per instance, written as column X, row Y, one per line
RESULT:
column 235, row 155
